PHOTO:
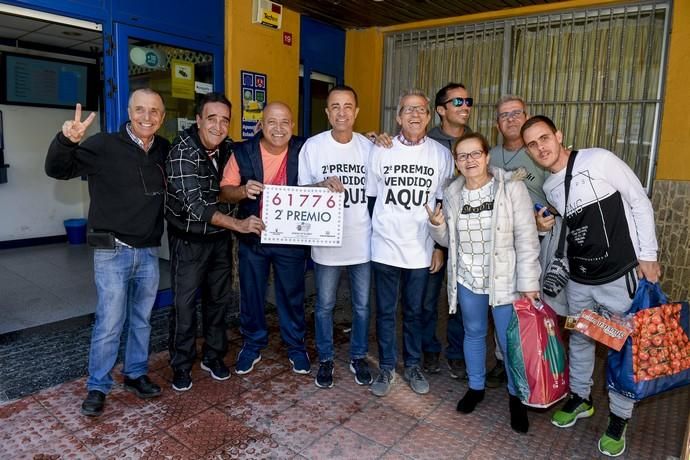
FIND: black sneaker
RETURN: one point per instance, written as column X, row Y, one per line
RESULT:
column 143, row 387
column 496, row 377
column 182, row 380
column 93, row 404
column 217, row 368
column 457, row 369
column 324, row 378
column 432, row 364
column 360, row 368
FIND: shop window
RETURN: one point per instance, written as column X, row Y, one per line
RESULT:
column 597, row 72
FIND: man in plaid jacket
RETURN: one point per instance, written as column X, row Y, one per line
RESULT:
column 200, row 242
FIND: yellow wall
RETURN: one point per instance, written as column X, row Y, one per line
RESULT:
column 363, row 71
column 364, row 63
column 257, row 48
column 674, row 156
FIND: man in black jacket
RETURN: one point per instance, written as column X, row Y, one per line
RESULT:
column 200, row 243
column 270, row 157
column 126, row 186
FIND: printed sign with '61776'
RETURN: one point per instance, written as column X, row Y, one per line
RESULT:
column 310, row 216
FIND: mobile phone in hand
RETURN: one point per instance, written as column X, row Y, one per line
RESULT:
column 537, row 208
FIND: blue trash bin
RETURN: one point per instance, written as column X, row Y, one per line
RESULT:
column 76, row 231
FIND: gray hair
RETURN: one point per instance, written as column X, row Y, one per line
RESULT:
column 413, row 92
column 510, row 98
column 145, row 91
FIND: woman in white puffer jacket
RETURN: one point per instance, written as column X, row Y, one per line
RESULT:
column 488, row 225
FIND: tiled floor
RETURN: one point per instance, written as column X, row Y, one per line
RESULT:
column 44, row 284
column 271, row 412
column 274, row 413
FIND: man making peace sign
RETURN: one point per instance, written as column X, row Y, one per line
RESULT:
column 126, row 186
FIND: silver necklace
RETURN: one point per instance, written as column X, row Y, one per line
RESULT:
column 503, row 155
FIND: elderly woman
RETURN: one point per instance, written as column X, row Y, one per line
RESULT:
column 488, row 225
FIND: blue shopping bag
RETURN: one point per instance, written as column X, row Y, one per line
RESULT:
column 636, row 376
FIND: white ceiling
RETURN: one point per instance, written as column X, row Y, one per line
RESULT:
column 48, row 33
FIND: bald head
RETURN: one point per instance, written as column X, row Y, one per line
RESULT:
column 277, row 126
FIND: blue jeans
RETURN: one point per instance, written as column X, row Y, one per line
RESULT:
column 389, row 280
column 327, row 278
column 475, row 315
column 455, row 330
column 288, row 268
column 127, row 283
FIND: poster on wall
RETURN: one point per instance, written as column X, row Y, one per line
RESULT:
column 182, row 79
column 253, row 101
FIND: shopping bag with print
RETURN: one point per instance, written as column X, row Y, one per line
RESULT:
column 656, row 356
column 536, row 355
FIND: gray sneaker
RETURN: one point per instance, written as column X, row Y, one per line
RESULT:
column 383, row 383
column 413, row 375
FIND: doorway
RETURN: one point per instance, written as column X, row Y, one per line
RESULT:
column 314, row 113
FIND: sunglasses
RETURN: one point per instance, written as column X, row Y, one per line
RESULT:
column 460, row 101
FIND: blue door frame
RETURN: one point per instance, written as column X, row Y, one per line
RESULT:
column 120, row 71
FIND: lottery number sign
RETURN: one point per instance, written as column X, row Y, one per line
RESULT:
column 310, row 216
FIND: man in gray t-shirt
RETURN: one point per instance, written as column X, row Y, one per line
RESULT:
column 511, row 114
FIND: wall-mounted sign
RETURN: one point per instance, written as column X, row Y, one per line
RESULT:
column 182, row 79
column 253, row 98
column 287, row 38
column 203, row 88
column 267, row 13
column 184, row 123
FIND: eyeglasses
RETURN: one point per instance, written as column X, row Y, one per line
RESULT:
column 409, row 109
column 463, row 156
column 506, row 115
column 460, row 101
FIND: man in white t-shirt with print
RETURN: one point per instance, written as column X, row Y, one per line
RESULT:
column 337, row 159
column 400, row 181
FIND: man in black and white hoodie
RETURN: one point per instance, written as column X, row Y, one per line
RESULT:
column 611, row 243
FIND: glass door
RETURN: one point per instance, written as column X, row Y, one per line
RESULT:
column 180, row 69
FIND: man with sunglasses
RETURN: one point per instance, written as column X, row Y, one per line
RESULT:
column 510, row 155
column 453, row 105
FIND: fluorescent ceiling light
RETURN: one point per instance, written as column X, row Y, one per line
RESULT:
column 34, row 14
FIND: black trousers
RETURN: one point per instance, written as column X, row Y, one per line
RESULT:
column 195, row 265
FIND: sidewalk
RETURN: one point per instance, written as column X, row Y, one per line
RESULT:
column 274, row 413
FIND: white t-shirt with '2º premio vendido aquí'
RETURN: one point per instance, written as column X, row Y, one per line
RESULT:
column 322, row 157
column 404, row 179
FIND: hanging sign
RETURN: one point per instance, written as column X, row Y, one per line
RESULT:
column 253, row 99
